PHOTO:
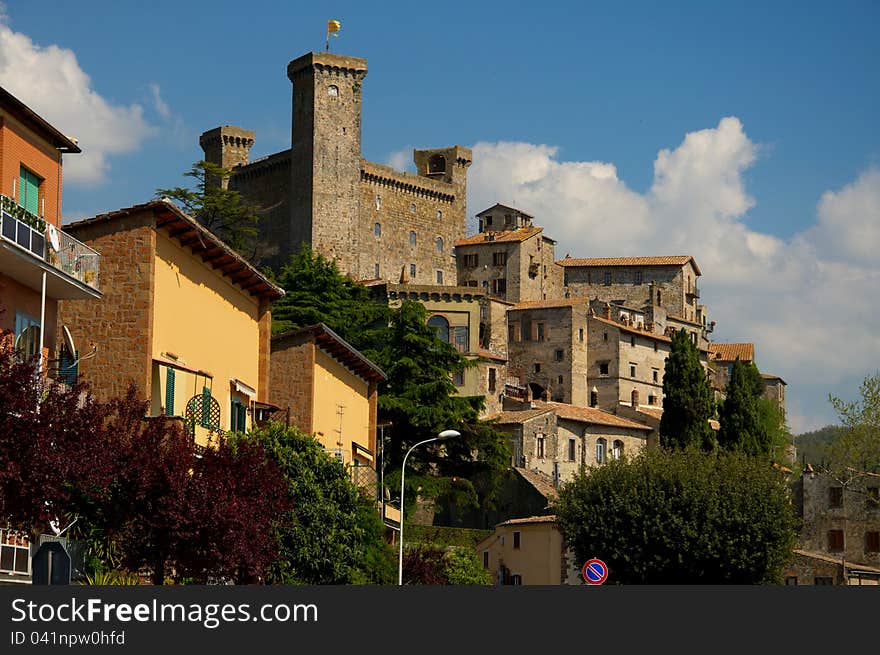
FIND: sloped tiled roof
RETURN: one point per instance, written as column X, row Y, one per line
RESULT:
column 674, row 260
column 728, row 352
column 514, row 417
column 498, row 205
column 542, row 482
column 509, row 236
column 550, row 518
column 592, row 415
column 836, row 560
column 768, row 376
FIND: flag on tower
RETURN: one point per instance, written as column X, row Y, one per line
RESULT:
column 333, row 27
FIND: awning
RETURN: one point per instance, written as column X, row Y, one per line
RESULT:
column 243, row 388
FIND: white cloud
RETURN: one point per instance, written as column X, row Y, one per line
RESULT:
column 401, row 160
column 808, row 303
column 50, row 81
column 161, row 106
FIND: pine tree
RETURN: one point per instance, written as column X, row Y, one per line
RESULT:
column 687, row 403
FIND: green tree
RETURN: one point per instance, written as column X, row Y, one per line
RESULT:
column 223, row 211
column 687, row 404
column 316, row 292
column 431, row 564
column 419, row 399
column 740, row 415
column 682, row 517
column 858, row 448
column 332, row 535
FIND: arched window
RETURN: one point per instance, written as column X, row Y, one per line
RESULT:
column 378, row 202
column 377, row 229
column 594, row 396
column 439, row 215
column 439, row 244
column 412, row 238
column 601, row 444
column 441, row 325
column 617, row 449
column 436, row 164
column 634, row 397
column 333, row 91
column 412, row 207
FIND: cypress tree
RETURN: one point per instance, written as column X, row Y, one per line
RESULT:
column 688, row 404
column 742, row 426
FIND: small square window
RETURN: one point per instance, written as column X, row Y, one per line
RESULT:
column 412, row 271
column 872, row 542
column 581, row 335
column 376, row 270
column 516, row 541
column 835, row 541
column 559, row 354
column 603, row 368
column 539, row 447
column 439, row 277
column 607, row 278
column 499, row 258
column 605, row 336
column 632, row 370
column 791, row 581
column 655, row 375
column 458, row 379
column 537, row 368
column 639, row 277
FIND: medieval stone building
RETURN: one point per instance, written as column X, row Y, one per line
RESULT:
column 376, row 222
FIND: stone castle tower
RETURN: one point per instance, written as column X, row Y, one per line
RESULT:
column 376, row 222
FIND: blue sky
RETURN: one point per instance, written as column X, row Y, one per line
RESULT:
column 765, row 112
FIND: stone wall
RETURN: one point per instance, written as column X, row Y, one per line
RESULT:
column 556, row 363
column 620, row 349
column 855, row 515
column 122, row 320
column 292, row 371
column 669, row 281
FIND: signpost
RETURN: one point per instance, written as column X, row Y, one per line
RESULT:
column 595, row 572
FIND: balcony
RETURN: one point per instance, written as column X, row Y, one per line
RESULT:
column 73, row 268
column 694, row 292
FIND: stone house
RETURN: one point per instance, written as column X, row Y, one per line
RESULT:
column 588, row 436
column 667, row 282
column 376, row 222
column 721, row 359
column 557, row 439
column 625, row 365
column 841, row 517
column 529, row 551
column 547, row 348
column 183, row 317
column 35, row 253
column 513, row 261
column 808, row 568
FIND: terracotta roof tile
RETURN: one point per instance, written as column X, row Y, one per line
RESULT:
column 592, row 415
column 542, row 482
column 515, row 417
column 728, row 352
column 674, row 260
column 509, row 236
column 550, row 518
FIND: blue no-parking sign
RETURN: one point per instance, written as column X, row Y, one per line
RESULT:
column 595, row 571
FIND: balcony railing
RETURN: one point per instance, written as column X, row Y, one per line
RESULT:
column 28, row 231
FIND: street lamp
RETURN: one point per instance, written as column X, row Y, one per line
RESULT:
column 446, row 434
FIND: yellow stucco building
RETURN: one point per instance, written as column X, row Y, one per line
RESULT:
column 327, row 388
column 529, row 551
column 183, row 317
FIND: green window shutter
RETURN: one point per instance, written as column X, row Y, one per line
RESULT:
column 206, row 407
column 29, row 191
column 242, row 417
column 169, row 392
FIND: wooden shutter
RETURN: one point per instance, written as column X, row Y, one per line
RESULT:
column 169, row 392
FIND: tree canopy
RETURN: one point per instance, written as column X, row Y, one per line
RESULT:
column 858, row 447
column 419, row 398
column 222, row 210
column 332, row 533
column 688, row 401
column 740, row 414
column 682, row 517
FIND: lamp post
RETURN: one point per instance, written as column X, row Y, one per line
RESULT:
column 446, row 434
